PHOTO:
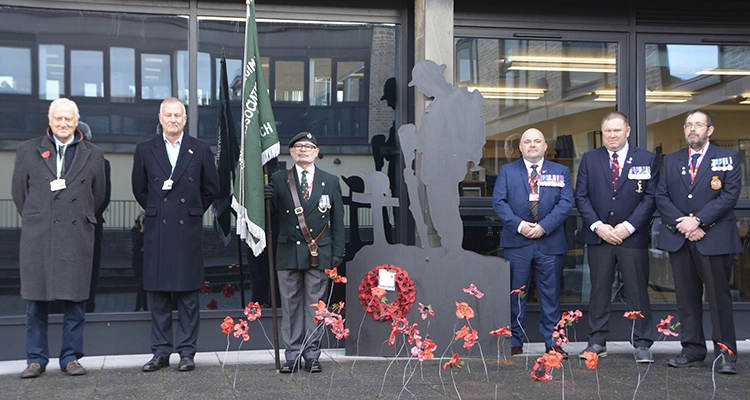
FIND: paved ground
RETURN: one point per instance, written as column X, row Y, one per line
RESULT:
column 252, row 375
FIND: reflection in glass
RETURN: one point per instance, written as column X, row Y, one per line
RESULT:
column 714, row 78
column 550, row 85
column 86, row 73
column 122, row 74
column 320, row 73
column 51, row 71
column 350, row 83
column 15, row 70
column 234, row 78
column 156, row 76
column 290, row 81
column 204, row 78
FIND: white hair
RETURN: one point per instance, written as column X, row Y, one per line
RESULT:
column 63, row 101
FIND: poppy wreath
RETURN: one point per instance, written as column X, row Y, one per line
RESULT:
column 406, row 294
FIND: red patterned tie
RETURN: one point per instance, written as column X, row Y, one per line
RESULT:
column 534, row 189
column 615, row 171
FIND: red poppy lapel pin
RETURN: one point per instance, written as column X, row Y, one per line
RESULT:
column 45, row 154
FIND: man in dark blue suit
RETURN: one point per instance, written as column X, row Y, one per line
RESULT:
column 533, row 197
column 698, row 189
column 615, row 196
column 174, row 180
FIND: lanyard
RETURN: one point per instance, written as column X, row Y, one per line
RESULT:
column 61, row 160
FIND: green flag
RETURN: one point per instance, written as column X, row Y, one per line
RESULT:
column 259, row 143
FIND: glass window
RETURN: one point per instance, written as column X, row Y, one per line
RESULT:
column 290, row 81
column 87, row 73
column 234, row 77
column 15, row 70
column 350, row 82
column 563, row 88
column 157, row 77
column 51, row 71
column 122, row 74
column 320, row 80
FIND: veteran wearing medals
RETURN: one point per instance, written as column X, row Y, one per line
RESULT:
column 307, row 202
column 58, row 184
column 614, row 193
column 174, row 179
column 698, row 189
column 533, row 197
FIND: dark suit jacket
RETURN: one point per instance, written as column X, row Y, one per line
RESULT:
column 712, row 199
column 292, row 251
column 597, row 200
column 511, row 203
column 173, row 228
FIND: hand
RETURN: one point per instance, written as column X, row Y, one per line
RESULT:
column 687, row 224
column 335, row 261
column 622, row 231
column 608, row 234
column 695, row 235
column 267, row 191
column 536, row 232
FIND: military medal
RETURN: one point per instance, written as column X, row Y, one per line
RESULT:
column 715, row 183
column 324, row 203
column 722, row 164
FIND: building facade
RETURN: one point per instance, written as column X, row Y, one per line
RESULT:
column 340, row 69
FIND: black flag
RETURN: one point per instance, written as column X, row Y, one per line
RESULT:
column 228, row 151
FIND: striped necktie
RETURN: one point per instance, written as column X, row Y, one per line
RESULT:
column 305, row 187
column 534, row 189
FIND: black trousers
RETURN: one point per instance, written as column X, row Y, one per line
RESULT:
column 163, row 340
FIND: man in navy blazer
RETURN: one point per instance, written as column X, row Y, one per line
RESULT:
column 697, row 191
column 615, row 196
column 533, row 197
column 175, row 180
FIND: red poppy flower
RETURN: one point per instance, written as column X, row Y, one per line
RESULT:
column 378, row 291
column 502, row 331
column 334, row 275
column 228, row 290
column 464, row 311
column 426, row 310
column 724, row 348
column 206, row 287
column 473, row 291
column 253, row 311
column 552, row 359
column 519, row 291
column 227, row 325
column 45, row 154
column 423, row 349
column 633, row 315
column 452, row 362
column 413, row 334
column 592, row 359
column 240, row 329
column 540, row 372
column 665, row 327
column 212, row 305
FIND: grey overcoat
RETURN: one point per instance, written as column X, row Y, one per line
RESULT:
column 57, row 236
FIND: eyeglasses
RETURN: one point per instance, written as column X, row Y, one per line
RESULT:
column 305, row 146
column 697, row 125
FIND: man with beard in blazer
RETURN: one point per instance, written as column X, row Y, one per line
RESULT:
column 301, row 276
column 533, row 197
column 615, row 196
column 174, row 180
column 698, row 189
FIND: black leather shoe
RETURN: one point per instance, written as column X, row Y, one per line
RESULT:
column 186, row 364
column 155, row 364
column 727, row 367
column 289, row 367
column 313, row 366
column 684, row 362
column 516, row 351
column 558, row 349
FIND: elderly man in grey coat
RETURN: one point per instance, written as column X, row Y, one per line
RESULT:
column 58, row 184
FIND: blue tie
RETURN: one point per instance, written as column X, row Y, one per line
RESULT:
column 694, row 164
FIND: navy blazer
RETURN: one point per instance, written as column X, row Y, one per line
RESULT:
column 712, row 199
column 633, row 201
column 173, row 227
column 510, row 201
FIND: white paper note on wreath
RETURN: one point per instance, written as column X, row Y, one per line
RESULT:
column 387, row 280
